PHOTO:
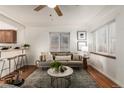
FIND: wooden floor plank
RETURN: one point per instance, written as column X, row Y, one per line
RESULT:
column 101, row 79
column 26, row 71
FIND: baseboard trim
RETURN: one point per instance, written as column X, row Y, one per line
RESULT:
column 102, row 80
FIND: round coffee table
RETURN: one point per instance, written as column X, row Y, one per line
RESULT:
column 58, row 79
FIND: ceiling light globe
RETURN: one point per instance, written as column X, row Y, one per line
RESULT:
column 51, row 6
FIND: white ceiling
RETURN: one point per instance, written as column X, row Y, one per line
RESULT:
column 81, row 15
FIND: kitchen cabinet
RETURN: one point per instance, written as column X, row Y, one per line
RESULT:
column 8, row 36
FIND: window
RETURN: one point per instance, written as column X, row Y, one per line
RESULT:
column 103, row 39
column 112, row 38
column 101, row 42
column 59, row 41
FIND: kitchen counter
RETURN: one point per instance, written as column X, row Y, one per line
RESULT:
column 11, row 52
column 11, row 49
column 9, row 66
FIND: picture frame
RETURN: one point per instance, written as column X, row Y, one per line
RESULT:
column 81, row 44
column 81, row 35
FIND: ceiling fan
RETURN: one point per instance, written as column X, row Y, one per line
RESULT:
column 56, row 8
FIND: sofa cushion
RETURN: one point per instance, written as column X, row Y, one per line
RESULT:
column 64, row 62
column 45, row 64
column 63, row 57
column 61, row 54
column 75, row 62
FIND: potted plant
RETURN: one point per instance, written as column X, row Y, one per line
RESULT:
column 55, row 65
column 26, row 45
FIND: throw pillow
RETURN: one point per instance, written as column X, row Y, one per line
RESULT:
column 49, row 57
column 63, row 58
column 76, row 57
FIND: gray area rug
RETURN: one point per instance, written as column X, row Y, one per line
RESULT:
column 8, row 86
column 40, row 79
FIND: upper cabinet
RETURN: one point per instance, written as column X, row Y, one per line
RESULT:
column 8, row 36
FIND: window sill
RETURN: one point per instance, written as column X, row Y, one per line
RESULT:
column 105, row 55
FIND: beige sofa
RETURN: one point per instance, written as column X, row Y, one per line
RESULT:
column 66, row 58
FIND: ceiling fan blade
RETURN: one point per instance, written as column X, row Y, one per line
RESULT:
column 39, row 7
column 58, row 11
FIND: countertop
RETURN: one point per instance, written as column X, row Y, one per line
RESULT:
column 8, row 50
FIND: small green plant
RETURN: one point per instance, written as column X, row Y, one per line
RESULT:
column 55, row 65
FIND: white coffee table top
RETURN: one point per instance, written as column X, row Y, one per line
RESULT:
column 67, row 72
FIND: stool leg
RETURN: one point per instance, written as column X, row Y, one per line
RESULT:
column 20, row 62
column 23, row 62
column 26, row 61
column 9, row 66
column 15, row 64
column 2, row 69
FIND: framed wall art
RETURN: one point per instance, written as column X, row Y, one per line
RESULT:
column 81, row 35
column 81, row 44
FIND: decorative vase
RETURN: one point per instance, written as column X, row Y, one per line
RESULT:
column 55, row 70
column 61, row 69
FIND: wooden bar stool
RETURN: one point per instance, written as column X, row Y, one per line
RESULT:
column 4, row 60
column 10, row 59
column 23, row 61
column 3, row 68
column 20, row 61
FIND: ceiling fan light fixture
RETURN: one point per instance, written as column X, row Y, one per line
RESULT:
column 51, row 6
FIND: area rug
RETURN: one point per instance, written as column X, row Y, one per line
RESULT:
column 40, row 79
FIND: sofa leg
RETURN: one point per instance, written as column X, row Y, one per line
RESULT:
column 44, row 68
column 79, row 68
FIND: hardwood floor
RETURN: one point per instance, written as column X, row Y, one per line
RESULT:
column 27, row 70
column 101, row 79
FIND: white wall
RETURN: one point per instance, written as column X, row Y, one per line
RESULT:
column 8, row 23
column 38, row 38
column 120, row 47
column 111, row 67
column 105, row 65
column 20, row 32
